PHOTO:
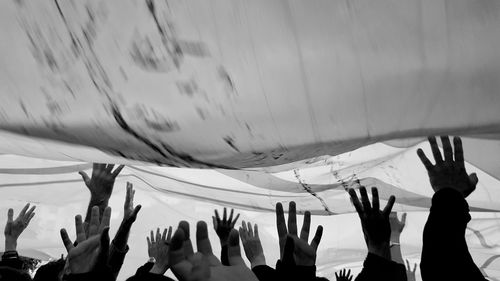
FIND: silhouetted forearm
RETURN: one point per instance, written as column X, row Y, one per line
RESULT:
column 265, row 273
column 101, row 203
column 119, row 248
column 378, row 268
column 445, row 255
column 224, row 258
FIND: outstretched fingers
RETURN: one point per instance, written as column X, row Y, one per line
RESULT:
column 387, row 210
column 355, row 201
column 423, row 158
column 447, row 149
column 94, row 221
column 403, row 219
column 375, row 199
column 317, row 237
column 292, row 219
column 169, row 235
column 280, row 221
column 23, row 211
column 235, row 220
column 66, row 241
column 129, row 197
column 365, row 201
column 459, row 152
column 117, row 171
column 217, row 217
column 306, row 226
column 435, row 150
column 10, row 215
column 80, row 230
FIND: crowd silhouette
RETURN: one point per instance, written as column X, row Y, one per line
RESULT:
column 92, row 255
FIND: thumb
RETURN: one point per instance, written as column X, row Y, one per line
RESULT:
column 85, row 177
column 473, row 179
column 136, row 211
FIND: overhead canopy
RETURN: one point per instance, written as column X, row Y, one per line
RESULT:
column 270, row 100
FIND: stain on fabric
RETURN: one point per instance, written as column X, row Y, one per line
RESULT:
column 230, row 141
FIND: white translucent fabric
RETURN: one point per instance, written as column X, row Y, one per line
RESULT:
column 247, row 83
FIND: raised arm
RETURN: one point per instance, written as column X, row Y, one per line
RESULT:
column 444, row 252
column 397, row 227
column 87, row 260
column 223, row 227
column 119, row 247
column 377, row 231
column 12, row 231
column 100, row 186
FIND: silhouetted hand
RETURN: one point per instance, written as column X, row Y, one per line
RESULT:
column 92, row 250
column 14, row 228
column 410, row 274
column 397, row 225
column 159, row 250
column 130, row 213
column 203, row 265
column 251, row 244
column 102, row 181
column 375, row 223
column 223, row 227
column 304, row 253
column 344, row 275
column 449, row 172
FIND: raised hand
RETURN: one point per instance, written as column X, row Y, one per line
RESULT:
column 375, row 223
column 450, row 171
column 304, row 253
column 130, row 213
column 102, row 181
column 251, row 244
column 223, row 227
column 397, row 225
column 203, row 265
column 158, row 249
column 91, row 250
column 410, row 274
column 344, row 275
column 14, row 228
